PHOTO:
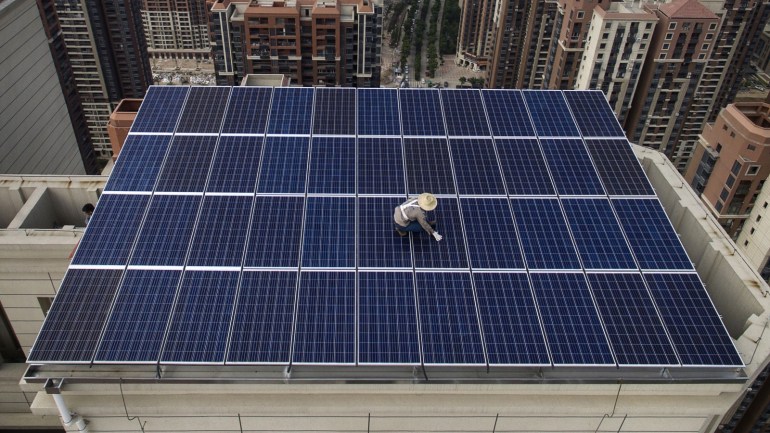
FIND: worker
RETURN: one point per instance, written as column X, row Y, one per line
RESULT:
column 88, row 210
column 410, row 216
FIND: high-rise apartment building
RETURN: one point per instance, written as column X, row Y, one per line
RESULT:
column 176, row 29
column 103, row 44
column 680, row 47
column 539, row 35
column 314, row 42
column 475, row 41
column 733, row 161
column 617, row 44
column 510, row 26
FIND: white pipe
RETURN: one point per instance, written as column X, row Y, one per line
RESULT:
column 64, row 411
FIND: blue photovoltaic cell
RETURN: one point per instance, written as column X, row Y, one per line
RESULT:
column 654, row 242
column 493, row 242
column 204, row 110
column 329, row 240
column 378, row 112
column 112, row 230
column 570, row 319
column 524, row 167
column 387, row 319
column 597, row 234
column 571, row 167
column 448, row 320
column 139, row 163
column 276, row 230
column 378, row 244
column 335, row 111
column 72, row 327
column 247, row 110
column 699, row 336
column 592, row 114
column 166, row 231
column 201, row 320
column 160, row 109
column 633, row 326
column 450, row 252
column 618, row 167
column 264, row 316
column 284, row 165
column 332, row 165
column 221, row 231
column 381, row 166
column 187, row 165
column 421, row 112
column 544, row 234
column 137, row 324
column 507, row 113
column 428, row 166
column 235, row 165
column 476, row 168
column 509, row 319
column 325, row 329
column 290, row 110
column 550, row 113
column 464, row 113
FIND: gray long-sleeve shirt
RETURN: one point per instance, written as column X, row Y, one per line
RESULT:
column 413, row 212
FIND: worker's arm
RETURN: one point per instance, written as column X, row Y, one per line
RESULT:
column 424, row 223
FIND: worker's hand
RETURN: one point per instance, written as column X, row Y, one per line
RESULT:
column 437, row 236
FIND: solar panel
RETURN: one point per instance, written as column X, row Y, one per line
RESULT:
column 509, row 319
column 624, row 303
column 381, row 166
column 220, row 235
column 544, row 234
column 597, row 234
column 290, row 110
column 476, row 168
column 618, row 167
column 112, row 230
column 140, row 160
column 187, row 165
column 550, row 113
column 378, row 245
column 448, row 321
column 332, row 165
column 378, row 112
column 264, row 318
column 654, row 242
column 421, row 112
column 572, row 327
column 428, row 166
column 329, row 240
column 507, row 113
column 571, row 167
column 166, row 231
column 71, row 330
column 137, row 324
column 593, row 115
column 701, row 339
column 284, row 165
column 464, row 113
column 235, row 165
column 325, row 328
column 247, row 110
column 493, row 243
column 335, row 111
column 275, row 232
column 160, row 109
column 387, row 319
column 204, row 110
column 264, row 244
column 201, row 317
column 524, row 167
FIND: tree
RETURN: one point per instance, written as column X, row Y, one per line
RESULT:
column 463, row 80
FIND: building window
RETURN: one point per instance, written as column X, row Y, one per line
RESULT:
column 608, row 25
column 701, row 56
column 669, row 36
column 705, row 47
column 736, row 168
column 719, row 147
column 732, row 135
column 764, row 206
column 730, row 181
column 671, row 26
column 713, row 26
column 751, row 232
column 605, row 35
column 724, row 127
column 759, row 218
column 746, row 243
column 751, row 147
column 724, row 194
column 709, row 36
column 580, row 15
column 718, row 207
column 665, row 46
column 753, row 170
column 662, row 56
column 648, row 26
column 602, row 46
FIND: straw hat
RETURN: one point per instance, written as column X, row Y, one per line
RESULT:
column 427, row 201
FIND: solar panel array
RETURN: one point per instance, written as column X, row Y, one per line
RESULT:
column 255, row 226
